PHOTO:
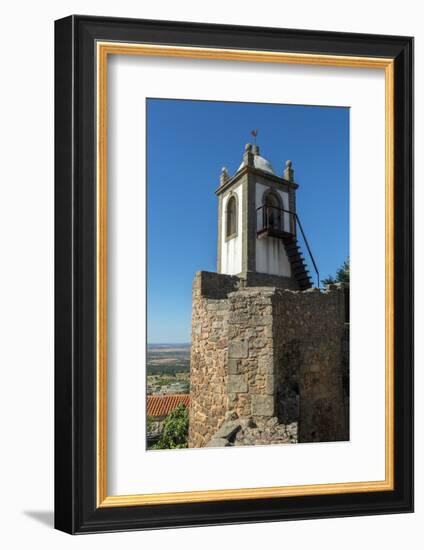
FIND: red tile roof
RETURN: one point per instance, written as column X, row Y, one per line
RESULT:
column 162, row 405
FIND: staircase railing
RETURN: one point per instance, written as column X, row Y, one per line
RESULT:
column 283, row 221
column 308, row 248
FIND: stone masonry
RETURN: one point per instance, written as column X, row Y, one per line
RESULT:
column 267, row 364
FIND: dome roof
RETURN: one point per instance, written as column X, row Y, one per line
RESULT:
column 260, row 163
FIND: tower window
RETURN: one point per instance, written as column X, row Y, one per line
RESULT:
column 272, row 210
column 231, row 217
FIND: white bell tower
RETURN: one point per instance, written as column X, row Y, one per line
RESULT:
column 257, row 225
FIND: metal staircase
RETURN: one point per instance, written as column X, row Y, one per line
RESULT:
column 282, row 224
column 297, row 262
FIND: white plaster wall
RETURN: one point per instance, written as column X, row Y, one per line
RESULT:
column 271, row 257
column 231, row 250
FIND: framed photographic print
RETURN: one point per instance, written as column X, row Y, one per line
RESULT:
column 234, row 262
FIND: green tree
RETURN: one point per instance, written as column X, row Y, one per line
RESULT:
column 342, row 275
column 175, row 430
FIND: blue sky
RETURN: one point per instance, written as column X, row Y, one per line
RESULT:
column 187, row 144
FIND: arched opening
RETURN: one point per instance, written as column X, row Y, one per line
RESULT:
column 272, row 210
column 231, row 217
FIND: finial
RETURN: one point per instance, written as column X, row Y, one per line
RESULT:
column 225, row 176
column 289, row 171
column 254, row 134
column 248, row 156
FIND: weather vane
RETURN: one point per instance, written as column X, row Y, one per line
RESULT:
column 254, row 134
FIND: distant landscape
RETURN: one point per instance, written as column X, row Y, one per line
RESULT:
column 168, row 368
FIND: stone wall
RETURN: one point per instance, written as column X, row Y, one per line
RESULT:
column 309, row 330
column 268, row 357
column 250, row 385
column 208, row 362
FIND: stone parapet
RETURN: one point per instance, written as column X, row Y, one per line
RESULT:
column 208, row 284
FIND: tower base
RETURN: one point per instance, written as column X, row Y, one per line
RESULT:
column 267, row 359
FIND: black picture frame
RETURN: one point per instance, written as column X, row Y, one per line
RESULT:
column 76, row 510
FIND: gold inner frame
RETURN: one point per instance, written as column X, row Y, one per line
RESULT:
column 104, row 49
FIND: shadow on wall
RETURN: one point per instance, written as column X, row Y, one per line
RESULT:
column 45, row 517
